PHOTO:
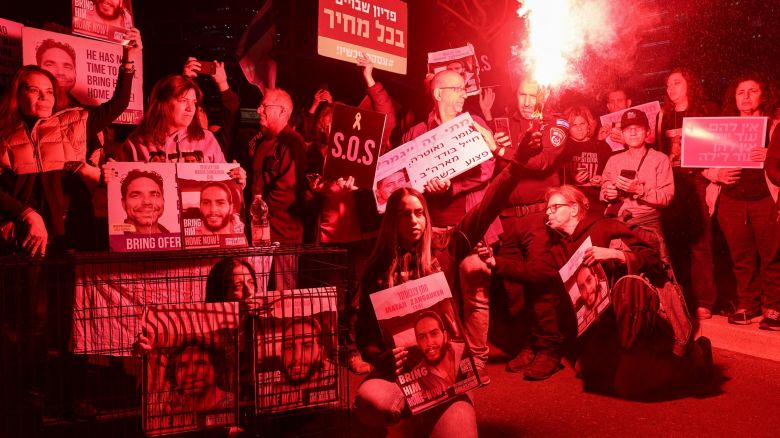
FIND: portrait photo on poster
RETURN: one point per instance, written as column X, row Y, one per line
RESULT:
column 107, row 20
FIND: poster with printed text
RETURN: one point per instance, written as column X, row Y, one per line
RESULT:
column 86, row 68
column 191, row 372
column 354, row 145
column 143, row 207
column 651, row 110
column 588, row 287
column 419, row 315
column 296, row 350
column 722, row 142
column 462, row 60
column 211, row 206
column 391, row 174
column 378, row 28
column 10, row 50
column 107, row 20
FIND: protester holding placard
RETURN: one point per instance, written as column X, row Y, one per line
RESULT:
column 687, row 221
column 405, row 251
column 745, row 209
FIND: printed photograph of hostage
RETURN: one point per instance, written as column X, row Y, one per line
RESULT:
column 439, row 368
column 218, row 212
column 588, row 289
column 387, row 185
column 108, row 20
column 305, row 359
column 199, row 379
column 116, row 13
column 143, row 201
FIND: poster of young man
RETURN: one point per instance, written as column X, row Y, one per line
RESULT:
column 296, row 350
column 419, row 316
column 462, row 60
column 107, row 20
column 143, row 207
column 86, row 68
column 354, row 144
column 587, row 286
column 391, row 174
column 211, row 206
column 191, row 373
column 10, row 50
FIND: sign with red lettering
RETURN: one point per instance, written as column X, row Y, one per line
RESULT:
column 10, row 50
column 355, row 140
column 107, row 20
column 722, row 141
column 86, row 69
column 377, row 27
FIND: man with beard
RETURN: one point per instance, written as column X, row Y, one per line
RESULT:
column 59, row 59
column 440, row 367
column 143, row 201
column 589, row 284
column 195, row 373
column 216, row 211
column 303, row 361
column 111, row 12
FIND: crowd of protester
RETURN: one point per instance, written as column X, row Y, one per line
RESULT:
column 503, row 227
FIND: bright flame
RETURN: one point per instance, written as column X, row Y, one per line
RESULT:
column 558, row 32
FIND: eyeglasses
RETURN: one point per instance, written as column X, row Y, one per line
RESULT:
column 460, row 89
column 553, row 208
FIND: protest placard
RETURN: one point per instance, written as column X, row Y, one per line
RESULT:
column 296, row 350
column 10, row 50
column 391, row 174
column 107, row 20
column 587, row 286
column 143, row 207
column 462, row 60
column 612, row 120
column 191, row 373
column 86, row 68
column 354, row 145
column 347, row 28
column 722, row 141
column 211, row 206
column 419, row 316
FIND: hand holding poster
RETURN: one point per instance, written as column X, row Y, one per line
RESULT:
column 86, row 69
column 191, row 378
column 107, row 20
column 347, row 28
column 211, row 205
column 143, row 207
column 462, row 60
column 354, row 145
column 587, row 286
column 651, row 110
column 296, row 350
column 419, row 316
column 722, row 141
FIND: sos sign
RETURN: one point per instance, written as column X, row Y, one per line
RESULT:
column 354, row 145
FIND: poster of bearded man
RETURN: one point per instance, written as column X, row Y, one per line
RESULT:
column 107, row 20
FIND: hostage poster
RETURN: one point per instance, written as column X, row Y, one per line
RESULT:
column 191, row 373
column 462, row 60
column 143, row 207
column 108, row 20
column 587, row 286
column 86, row 68
column 296, row 350
column 211, row 206
column 419, row 316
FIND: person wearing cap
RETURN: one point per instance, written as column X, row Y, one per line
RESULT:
column 639, row 183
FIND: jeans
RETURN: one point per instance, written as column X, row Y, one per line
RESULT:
column 475, row 288
column 380, row 404
column 648, row 228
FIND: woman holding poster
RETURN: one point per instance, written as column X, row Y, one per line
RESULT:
column 403, row 252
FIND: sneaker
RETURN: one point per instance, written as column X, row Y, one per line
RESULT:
column 543, row 366
column 521, row 361
column 771, row 320
column 744, row 316
column 703, row 313
column 357, row 365
column 482, row 373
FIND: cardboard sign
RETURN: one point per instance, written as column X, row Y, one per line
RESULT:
column 462, row 60
column 89, row 68
column 296, row 350
column 354, row 144
column 211, row 206
column 10, row 50
column 104, row 20
column 587, row 286
column 143, row 207
column 651, row 110
column 391, row 174
column 722, row 141
column 410, row 315
column 377, row 27
column 190, row 379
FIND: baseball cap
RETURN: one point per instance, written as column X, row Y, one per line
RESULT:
column 634, row 117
